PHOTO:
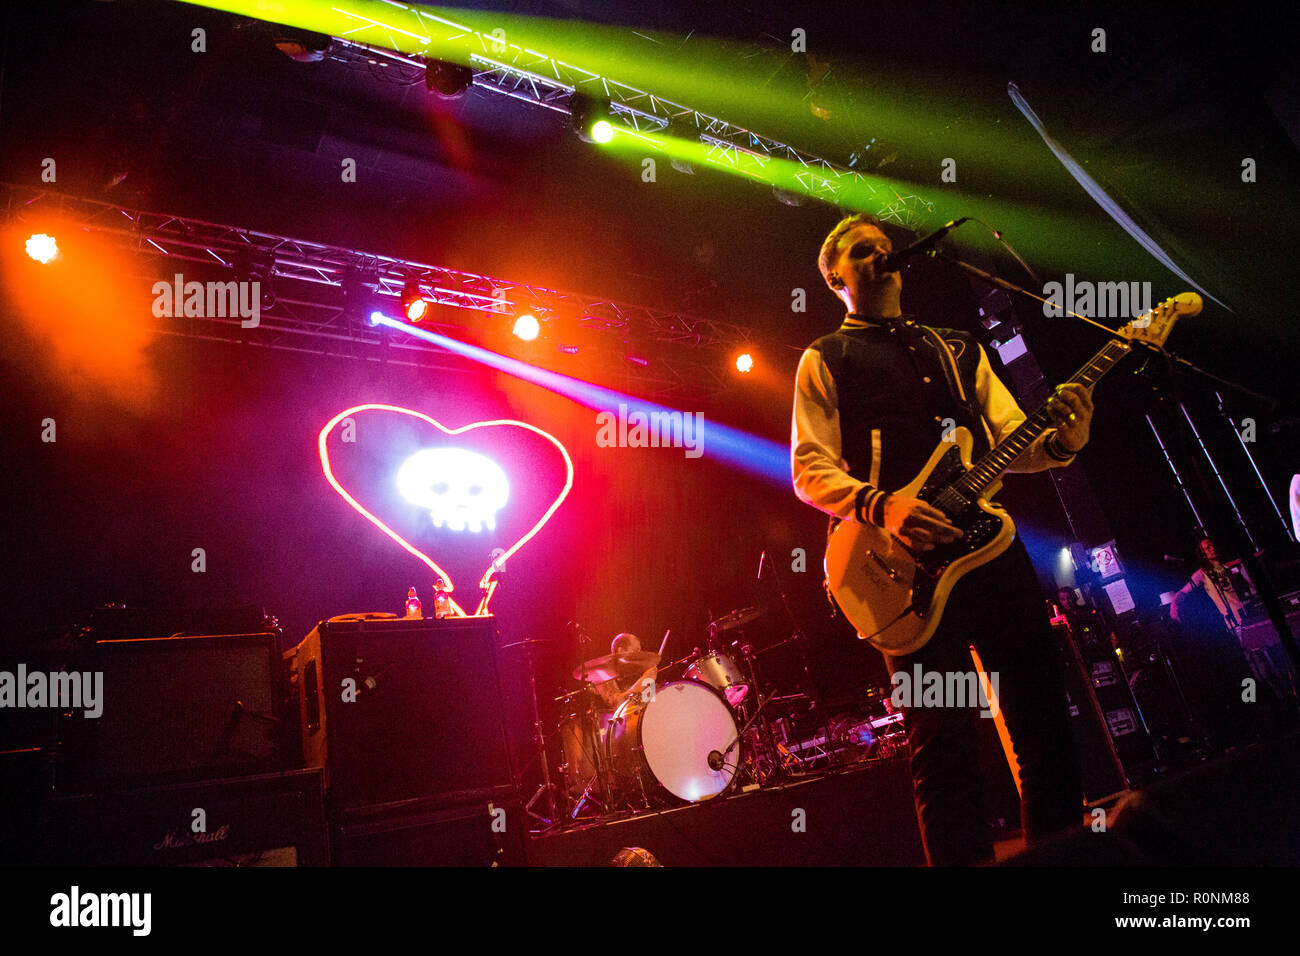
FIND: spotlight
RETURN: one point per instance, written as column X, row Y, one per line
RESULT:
column 744, row 362
column 447, row 79
column 591, row 119
column 527, row 327
column 42, row 248
column 414, row 305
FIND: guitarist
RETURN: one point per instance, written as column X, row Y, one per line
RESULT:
column 872, row 401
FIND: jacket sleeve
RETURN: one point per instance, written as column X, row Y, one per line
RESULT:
column 821, row 476
column 1004, row 416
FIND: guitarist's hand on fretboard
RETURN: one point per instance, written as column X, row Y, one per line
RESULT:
column 918, row 525
column 1071, row 407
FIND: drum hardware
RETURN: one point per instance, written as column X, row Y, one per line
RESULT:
column 799, row 638
column 762, row 734
column 736, row 619
column 615, row 666
column 693, row 655
column 546, row 789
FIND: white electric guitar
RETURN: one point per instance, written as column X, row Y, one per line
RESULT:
column 895, row 596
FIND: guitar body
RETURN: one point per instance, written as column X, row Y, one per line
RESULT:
column 894, row 597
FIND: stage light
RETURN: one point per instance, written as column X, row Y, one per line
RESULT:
column 744, row 362
column 43, row 248
column 447, row 79
column 527, row 327
column 376, row 317
column 590, row 119
column 414, row 305
column 759, row 456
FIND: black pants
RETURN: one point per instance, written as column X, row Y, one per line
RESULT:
column 999, row 609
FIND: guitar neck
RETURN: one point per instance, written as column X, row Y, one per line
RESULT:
column 990, row 467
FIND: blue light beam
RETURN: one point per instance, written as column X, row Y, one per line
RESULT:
column 757, row 456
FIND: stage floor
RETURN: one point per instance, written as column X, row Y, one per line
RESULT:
column 857, row 816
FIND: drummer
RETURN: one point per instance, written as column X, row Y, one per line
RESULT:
column 614, row 691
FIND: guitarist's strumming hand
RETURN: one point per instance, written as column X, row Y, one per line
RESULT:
column 918, row 525
column 1071, row 406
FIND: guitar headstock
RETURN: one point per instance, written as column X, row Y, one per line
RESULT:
column 1154, row 327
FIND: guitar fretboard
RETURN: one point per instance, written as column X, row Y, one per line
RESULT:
column 989, row 468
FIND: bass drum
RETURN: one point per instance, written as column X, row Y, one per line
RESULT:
column 661, row 746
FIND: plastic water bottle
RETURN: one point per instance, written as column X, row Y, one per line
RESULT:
column 441, row 603
column 413, row 611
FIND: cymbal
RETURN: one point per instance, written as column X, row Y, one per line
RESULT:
column 614, row 666
column 737, row 618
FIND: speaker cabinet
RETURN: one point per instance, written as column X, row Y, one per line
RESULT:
column 479, row 835
column 185, row 708
column 403, row 712
column 265, row 820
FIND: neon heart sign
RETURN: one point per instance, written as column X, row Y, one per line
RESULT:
column 460, row 490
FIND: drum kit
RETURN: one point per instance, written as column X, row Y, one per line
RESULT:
column 645, row 734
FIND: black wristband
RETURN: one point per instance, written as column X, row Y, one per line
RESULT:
column 1054, row 449
column 858, row 500
column 878, row 509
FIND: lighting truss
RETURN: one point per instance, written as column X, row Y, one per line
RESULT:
column 309, row 313
column 506, row 68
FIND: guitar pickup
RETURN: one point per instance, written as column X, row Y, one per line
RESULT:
column 893, row 575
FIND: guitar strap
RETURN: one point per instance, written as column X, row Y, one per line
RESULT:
column 952, row 374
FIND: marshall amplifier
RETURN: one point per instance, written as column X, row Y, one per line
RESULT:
column 265, row 820
column 402, row 712
column 183, row 708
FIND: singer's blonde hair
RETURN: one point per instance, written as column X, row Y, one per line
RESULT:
column 830, row 246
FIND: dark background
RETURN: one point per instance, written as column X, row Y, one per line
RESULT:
column 222, row 456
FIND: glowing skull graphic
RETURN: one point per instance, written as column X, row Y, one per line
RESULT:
column 463, row 490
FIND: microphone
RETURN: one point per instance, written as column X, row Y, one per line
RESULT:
column 715, row 760
column 892, row 261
